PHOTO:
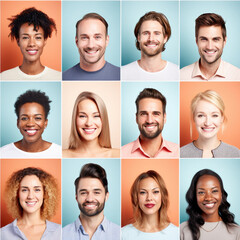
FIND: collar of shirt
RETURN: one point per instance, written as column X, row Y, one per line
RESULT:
column 197, row 72
column 137, row 146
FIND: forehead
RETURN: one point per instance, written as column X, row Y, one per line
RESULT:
column 205, row 106
column 151, row 25
column 210, row 31
column 27, row 29
column 90, row 184
column 148, row 183
column 150, row 104
column 30, row 180
column 207, row 181
column 91, row 26
column 31, row 107
column 87, row 105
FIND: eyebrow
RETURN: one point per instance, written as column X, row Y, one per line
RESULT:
column 37, row 33
column 211, row 188
column 24, row 114
column 28, row 187
column 86, row 190
column 85, row 113
column 151, row 189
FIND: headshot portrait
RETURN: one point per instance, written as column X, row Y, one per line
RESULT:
column 91, row 119
column 150, row 204
column 91, row 193
column 31, row 198
column 208, row 200
column 209, row 33
column 91, row 40
column 31, row 120
column 150, row 118
column 208, row 120
column 149, row 37
column 31, row 40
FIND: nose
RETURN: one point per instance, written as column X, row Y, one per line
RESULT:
column 208, row 121
column 30, row 122
column 149, row 196
column 209, row 44
column 89, row 197
column 208, row 196
column 90, row 43
column 30, row 194
column 150, row 36
column 89, row 121
column 31, row 41
column 149, row 118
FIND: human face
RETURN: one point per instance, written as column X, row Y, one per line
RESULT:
column 210, row 44
column 91, row 196
column 208, row 119
column 31, row 42
column 31, row 194
column 150, row 117
column 209, row 197
column 32, row 122
column 151, row 38
column 149, row 196
column 91, row 41
column 89, row 123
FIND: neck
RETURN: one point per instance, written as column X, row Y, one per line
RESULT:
column 209, row 70
column 31, row 68
column 31, row 219
column 92, row 67
column 89, row 146
column 207, row 144
column 30, row 147
column 153, row 63
column 151, row 146
column 211, row 218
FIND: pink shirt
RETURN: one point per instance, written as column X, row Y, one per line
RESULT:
column 226, row 71
column 134, row 150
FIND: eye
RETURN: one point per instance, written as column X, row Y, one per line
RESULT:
column 215, row 115
column 83, row 193
column 200, row 193
column 200, row 115
column 143, row 114
column 215, row 191
column 25, row 37
column 81, row 116
column 142, row 192
column 24, row 118
column 98, row 37
column 97, row 193
column 97, row 116
column 37, row 190
column 38, row 118
column 83, row 38
column 156, row 192
column 38, row 37
column 156, row 113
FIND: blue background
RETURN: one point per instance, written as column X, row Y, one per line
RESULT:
column 70, row 171
column 131, row 13
column 189, row 11
column 227, row 169
column 129, row 93
column 74, row 11
column 9, row 93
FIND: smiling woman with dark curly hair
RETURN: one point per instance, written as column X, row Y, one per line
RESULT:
column 31, row 196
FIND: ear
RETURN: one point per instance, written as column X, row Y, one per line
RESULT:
column 137, row 118
column 107, row 196
column 76, row 40
column 18, row 123
column 45, row 42
column 45, row 123
column 165, row 39
column 18, row 42
column 225, row 41
column 107, row 40
column 164, row 118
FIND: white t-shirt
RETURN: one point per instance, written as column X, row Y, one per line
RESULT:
column 17, row 74
column 133, row 72
column 11, row 151
column 171, row 232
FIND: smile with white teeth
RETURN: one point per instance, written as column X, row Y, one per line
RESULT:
column 32, row 52
column 209, row 205
column 31, row 131
column 89, row 130
column 208, row 129
column 210, row 52
column 31, row 203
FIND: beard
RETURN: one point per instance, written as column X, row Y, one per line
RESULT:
column 91, row 212
column 151, row 52
column 150, row 135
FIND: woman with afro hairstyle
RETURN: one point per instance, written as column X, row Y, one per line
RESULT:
column 208, row 210
column 31, row 28
column 31, row 196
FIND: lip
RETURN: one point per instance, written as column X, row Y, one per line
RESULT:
column 31, row 132
column 210, row 53
column 149, row 205
column 89, row 130
column 209, row 205
column 91, row 52
column 208, row 129
column 31, row 204
column 150, row 127
column 90, row 205
column 32, row 51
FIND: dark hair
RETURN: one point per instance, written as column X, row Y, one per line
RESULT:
column 155, row 16
column 31, row 96
column 151, row 93
column 34, row 17
column 195, row 213
column 92, row 16
column 210, row 19
column 92, row 170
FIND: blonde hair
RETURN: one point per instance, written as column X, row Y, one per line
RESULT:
column 137, row 211
column 211, row 97
column 104, row 137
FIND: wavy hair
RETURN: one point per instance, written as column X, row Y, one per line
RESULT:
column 50, row 188
column 196, row 220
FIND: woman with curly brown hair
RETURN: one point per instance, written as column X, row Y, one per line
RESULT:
column 31, row 196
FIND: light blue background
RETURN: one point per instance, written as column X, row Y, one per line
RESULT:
column 132, row 12
column 189, row 11
column 9, row 93
column 227, row 169
column 129, row 93
column 70, row 171
column 74, row 11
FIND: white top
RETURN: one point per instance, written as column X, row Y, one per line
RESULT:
column 17, row 74
column 11, row 151
column 133, row 72
column 129, row 232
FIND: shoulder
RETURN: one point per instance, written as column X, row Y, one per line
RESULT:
column 127, row 149
column 172, row 66
column 8, row 232
column 127, row 231
column 52, row 74
column 112, row 67
column 8, row 150
column 10, row 74
column 53, row 226
column 186, row 72
column 191, row 151
column 130, row 66
column 70, row 73
column 55, row 146
column 227, row 150
column 113, row 227
column 114, row 153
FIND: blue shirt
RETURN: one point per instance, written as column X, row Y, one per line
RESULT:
column 107, row 72
column 105, row 231
column 12, row 232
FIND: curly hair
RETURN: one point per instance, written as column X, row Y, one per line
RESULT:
column 34, row 17
column 50, row 188
column 195, row 213
column 33, row 96
column 137, row 212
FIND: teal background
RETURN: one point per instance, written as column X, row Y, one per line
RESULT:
column 227, row 169
column 132, row 12
column 129, row 93
column 70, row 171
column 9, row 93
column 189, row 11
column 74, row 11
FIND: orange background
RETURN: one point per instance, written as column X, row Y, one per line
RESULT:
column 229, row 91
column 167, row 168
column 8, row 166
column 11, row 55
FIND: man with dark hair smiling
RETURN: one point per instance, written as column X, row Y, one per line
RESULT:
column 91, row 189
column 211, row 38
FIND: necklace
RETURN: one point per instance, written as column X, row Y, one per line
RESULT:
column 211, row 229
